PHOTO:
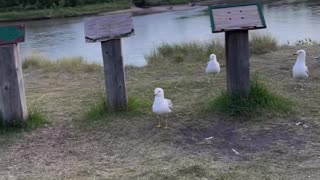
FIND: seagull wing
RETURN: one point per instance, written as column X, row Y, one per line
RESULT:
column 170, row 105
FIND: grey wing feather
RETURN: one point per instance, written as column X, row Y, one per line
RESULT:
column 170, row 103
column 307, row 70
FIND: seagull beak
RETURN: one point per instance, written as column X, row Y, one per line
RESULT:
column 294, row 54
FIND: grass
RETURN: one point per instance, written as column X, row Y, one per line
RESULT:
column 99, row 110
column 74, row 64
column 260, row 100
column 262, row 44
column 65, row 11
column 200, row 51
column 186, row 52
column 198, row 143
column 35, row 119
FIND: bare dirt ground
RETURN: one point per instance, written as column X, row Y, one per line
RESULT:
column 128, row 146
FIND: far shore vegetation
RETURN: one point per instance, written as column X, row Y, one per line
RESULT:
column 45, row 9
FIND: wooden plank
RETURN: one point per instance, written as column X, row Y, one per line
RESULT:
column 12, row 34
column 104, row 28
column 242, row 17
column 114, row 75
column 13, row 108
column 237, row 61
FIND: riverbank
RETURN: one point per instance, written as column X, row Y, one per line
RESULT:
column 198, row 145
column 86, row 10
column 59, row 12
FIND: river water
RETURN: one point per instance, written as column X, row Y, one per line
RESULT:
column 287, row 20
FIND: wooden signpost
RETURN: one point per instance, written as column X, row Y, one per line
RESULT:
column 236, row 21
column 13, row 108
column 109, row 30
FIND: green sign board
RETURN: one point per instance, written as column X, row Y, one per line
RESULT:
column 247, row 16
column 12, row 34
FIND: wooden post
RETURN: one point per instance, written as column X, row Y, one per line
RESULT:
column 109, row 30
column 237, row 61
column 13, row 108
column 236, row 21
column 114, row 75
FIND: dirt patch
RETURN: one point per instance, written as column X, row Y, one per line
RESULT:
column 242, row 139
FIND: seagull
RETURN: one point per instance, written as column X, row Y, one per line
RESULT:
column 161, row 106
column 213, row 66
column 300, row 70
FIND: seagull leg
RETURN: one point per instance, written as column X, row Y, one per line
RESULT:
column 166, row 127
column 159, row 124
column 302, row 86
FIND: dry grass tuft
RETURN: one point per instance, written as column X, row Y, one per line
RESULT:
column 262, row 44
column 186, row 52
column 74, row 64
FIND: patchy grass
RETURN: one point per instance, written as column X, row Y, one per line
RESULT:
column 262, row 43
column 198, row 144
column 35, row 119
column 74, row 64
column 99, row 110
column 260, row 100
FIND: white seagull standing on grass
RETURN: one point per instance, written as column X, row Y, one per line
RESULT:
column 161, row 106
column 300, row 70
column 213, row 66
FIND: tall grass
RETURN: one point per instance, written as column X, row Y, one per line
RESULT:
column 65, row 64
column 262, row 43
column 194, row 51
column 260, row 99
column 200, row 51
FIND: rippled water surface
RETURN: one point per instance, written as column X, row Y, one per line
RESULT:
column 288, row 21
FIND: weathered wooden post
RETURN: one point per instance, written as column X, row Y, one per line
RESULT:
column 236, row 21
column 13, row 108
column 109, row 30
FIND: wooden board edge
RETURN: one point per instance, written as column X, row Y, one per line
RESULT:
column 259, row 7
column 91, row 40
column 19, row 39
